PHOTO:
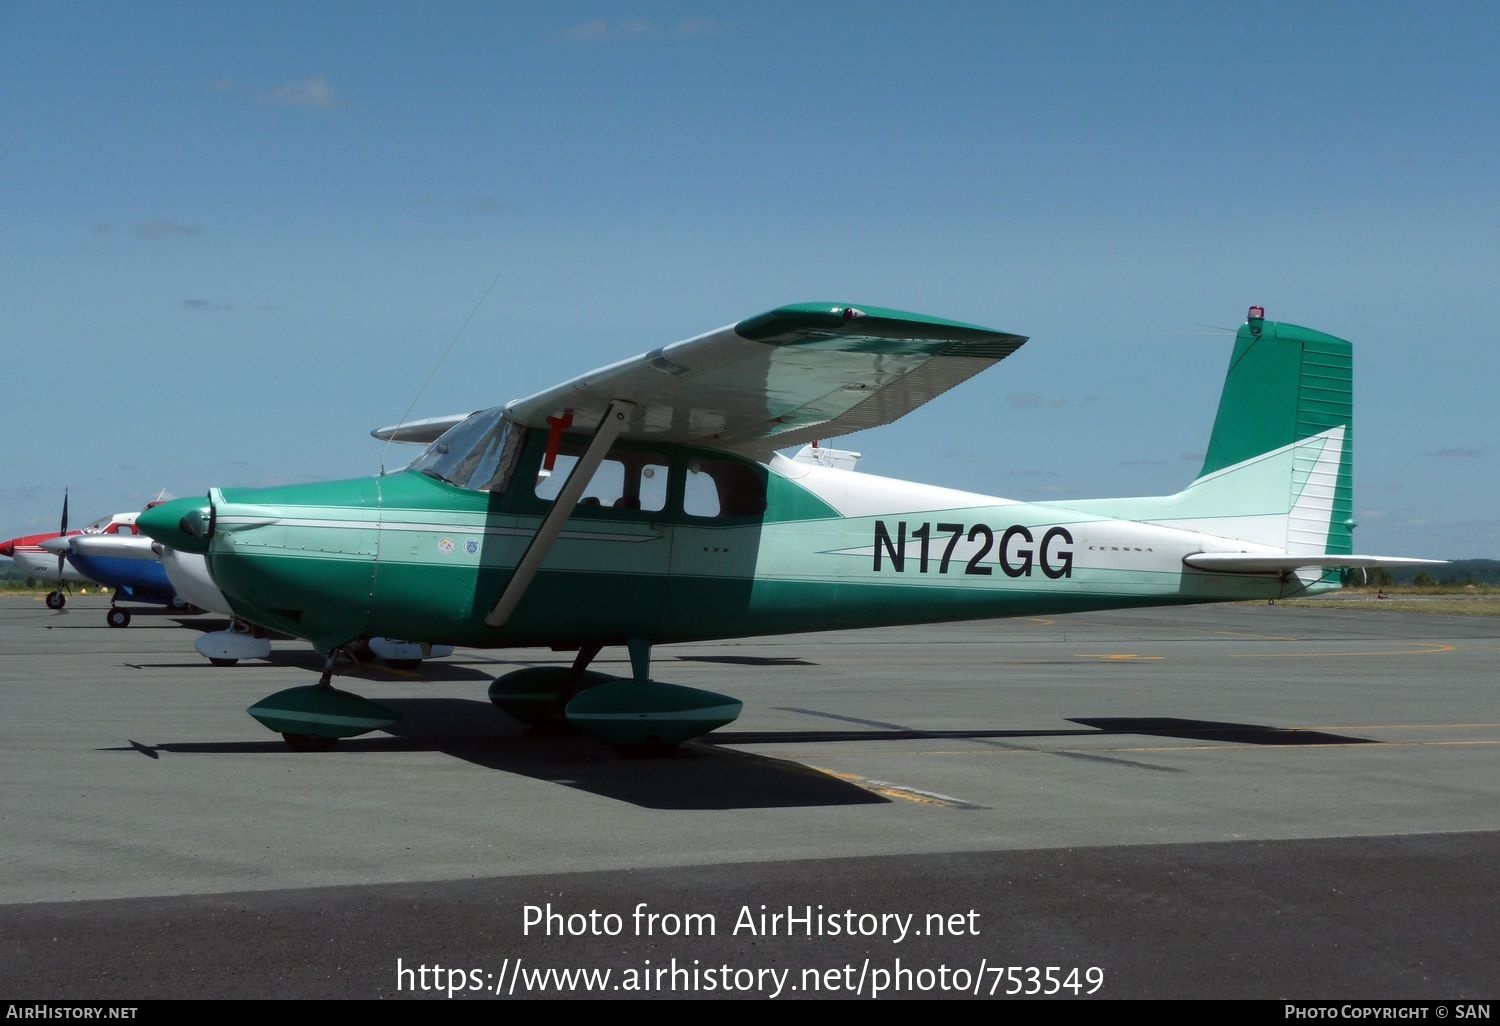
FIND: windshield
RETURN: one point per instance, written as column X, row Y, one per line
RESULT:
column 479, row 453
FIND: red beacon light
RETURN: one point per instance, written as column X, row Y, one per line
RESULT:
column 1257, row 313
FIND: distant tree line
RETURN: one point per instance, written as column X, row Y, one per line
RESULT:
column 11, row 577
column 1458, row 573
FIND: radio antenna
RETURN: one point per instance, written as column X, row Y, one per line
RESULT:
column 433, row 373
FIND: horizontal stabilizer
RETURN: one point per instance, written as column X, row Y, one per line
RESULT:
column 818, row 456
column 1277, row 562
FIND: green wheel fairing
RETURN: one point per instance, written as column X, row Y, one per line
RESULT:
column 641, row 712
column 321, row 712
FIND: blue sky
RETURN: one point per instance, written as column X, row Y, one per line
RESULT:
column 237, row 238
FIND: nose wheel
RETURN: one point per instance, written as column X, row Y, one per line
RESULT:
column 56, row 600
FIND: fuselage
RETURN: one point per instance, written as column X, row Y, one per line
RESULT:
column 123, row 561
column 675, row 544
column 40, row 565
column 190, row 580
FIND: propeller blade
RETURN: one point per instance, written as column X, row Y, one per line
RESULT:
column 63, row 531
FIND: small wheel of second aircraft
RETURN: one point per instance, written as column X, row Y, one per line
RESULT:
column 56, row 600
column 359, row 651
column 118, row 618
column 308, row 742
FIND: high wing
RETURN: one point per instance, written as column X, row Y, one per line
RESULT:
column 789, row 376
column 422, row 432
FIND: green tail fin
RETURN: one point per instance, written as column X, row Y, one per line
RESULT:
column 1279, row 468
column 1286, row 384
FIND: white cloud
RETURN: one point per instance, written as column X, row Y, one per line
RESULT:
column 1031, row 401
column 312, row 92
column 161, row 228
column 485, row 205
column 700, row 27
column 601, row 31
column 588, row 32
column 1455, row 454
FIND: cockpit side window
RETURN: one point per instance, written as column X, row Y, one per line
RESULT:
column 627, row 480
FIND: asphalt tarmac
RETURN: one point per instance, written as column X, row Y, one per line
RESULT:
column 1223, row 801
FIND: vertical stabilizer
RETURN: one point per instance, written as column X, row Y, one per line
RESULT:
column 1292, row 386
column 1279, row 470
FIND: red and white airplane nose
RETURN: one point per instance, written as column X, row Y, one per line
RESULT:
column 7, row 547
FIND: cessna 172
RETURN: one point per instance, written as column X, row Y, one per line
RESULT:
column 678, row 521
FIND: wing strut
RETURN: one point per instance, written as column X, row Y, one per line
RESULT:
column 615, row 418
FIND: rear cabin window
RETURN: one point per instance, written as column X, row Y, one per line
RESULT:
column 723, row 488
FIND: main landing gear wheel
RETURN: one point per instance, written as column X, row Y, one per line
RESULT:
column 118, row 618
column 56, row 600
column 308, row 742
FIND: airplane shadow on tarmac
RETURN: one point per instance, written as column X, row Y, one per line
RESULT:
column 705, row 774
column 1158, row 726
column 1150, row 726
column 307, row 659
column 87, row 618
column 695, row 776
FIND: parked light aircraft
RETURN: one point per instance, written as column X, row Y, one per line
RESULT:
column 40, row 565
column 38, row 555
column 110, row 553
column 122, row 561
column 645, row 503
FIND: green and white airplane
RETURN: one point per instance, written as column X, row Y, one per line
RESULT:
column 645, row 503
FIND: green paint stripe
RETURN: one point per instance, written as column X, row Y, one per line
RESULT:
column 329, row 719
